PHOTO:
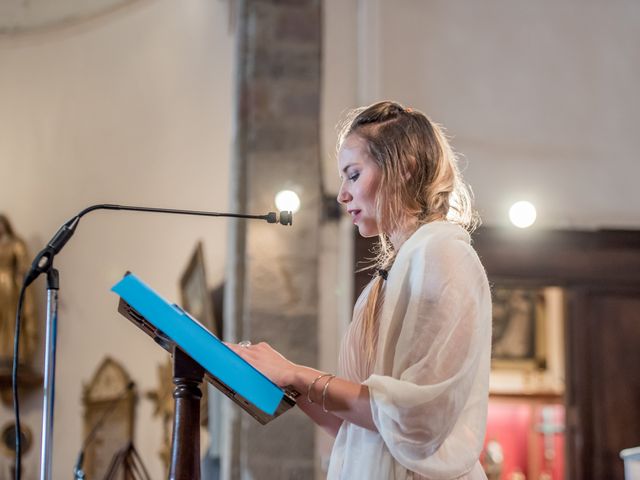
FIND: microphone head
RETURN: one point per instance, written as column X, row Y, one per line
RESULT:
column 286, row 218
column 271, row 217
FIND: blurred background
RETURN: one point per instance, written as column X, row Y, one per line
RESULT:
column 220, row 104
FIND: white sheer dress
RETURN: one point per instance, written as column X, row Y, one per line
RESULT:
column 430, row 379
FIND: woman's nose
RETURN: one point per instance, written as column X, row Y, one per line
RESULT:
column 343, row 195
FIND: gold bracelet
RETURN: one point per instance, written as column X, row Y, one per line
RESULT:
column 324, row 392
column 313, row 383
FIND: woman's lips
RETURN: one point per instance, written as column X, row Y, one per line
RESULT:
column 354, row 215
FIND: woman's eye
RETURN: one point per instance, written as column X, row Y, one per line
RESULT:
column 353, row 177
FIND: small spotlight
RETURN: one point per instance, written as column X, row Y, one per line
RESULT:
column 288, row 200
column 522, row 214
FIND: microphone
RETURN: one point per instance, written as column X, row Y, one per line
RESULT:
column 42, row 261
column 78, row 473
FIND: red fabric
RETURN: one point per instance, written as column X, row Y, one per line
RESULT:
column 516, row 426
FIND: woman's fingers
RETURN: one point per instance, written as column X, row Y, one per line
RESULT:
column 236, row 347
column 232, row 346
column 264, row 358
column 238, row 350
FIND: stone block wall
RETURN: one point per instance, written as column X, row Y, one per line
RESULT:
column 273, row 270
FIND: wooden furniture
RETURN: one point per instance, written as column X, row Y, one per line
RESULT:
column 185, row 440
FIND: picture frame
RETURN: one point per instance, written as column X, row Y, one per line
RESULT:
column 194, row 291
column 527, row 354
column 519, row 328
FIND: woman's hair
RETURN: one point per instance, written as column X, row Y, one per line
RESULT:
column 420, row 181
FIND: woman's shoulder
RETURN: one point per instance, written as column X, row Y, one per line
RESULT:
column 439, row 238
column 441, row 249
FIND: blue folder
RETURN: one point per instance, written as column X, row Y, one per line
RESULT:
column 171, row 326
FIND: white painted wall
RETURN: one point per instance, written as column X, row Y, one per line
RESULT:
column 540, row 97
column 132, row 108
column 339, row 78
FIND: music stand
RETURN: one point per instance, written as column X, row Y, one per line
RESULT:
column 127, row 462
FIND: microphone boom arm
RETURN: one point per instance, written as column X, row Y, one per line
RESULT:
column 43, row 261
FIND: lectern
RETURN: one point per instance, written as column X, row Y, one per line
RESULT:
column 197, row 354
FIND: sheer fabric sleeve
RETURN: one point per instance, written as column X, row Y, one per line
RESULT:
column 429, row 392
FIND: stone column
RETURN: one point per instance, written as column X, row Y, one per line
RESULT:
column 272, row 292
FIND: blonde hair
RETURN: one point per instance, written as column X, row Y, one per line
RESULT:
column 420, row 181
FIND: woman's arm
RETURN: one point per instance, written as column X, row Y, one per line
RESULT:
column 344, row 400
column 327, row 421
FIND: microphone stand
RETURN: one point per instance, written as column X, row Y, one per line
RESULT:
column 43, row 263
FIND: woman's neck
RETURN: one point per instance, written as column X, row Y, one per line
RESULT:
column 398, row 237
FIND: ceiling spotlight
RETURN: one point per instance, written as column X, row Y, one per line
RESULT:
column 522, row 214
column 287, row 200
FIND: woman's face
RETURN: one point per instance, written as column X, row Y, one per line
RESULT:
column 360, row 177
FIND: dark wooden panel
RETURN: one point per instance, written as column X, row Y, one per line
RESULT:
column 561, row 257
column 615, row 329
column 546, row 257
column 578, row 385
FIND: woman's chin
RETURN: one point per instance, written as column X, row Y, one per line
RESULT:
column 367, row 232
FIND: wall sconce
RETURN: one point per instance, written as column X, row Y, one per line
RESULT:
column 287, row 200
column 522, row 214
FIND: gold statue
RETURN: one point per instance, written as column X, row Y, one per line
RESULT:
column 14, row 262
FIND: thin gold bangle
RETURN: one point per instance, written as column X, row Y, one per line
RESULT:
column 313, row 383
column 324, row 392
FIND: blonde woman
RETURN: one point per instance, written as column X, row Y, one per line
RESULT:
column 409, row 400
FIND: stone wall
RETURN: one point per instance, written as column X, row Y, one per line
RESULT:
column 273, row 271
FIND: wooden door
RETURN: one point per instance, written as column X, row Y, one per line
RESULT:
column 603, row 388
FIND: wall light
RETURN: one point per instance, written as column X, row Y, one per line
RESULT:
column 287, row 200
column 522, row 214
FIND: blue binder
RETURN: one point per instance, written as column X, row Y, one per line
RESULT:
column 170, row 326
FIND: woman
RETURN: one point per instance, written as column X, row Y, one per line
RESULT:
column 410, row 398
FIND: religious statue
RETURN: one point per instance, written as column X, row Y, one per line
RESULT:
column 14, row 262
column 493, row 460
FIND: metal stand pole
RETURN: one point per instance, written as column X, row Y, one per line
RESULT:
column 53, row 284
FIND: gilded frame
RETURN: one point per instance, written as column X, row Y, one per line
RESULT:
column 519, row 328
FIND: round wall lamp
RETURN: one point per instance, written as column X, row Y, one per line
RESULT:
column 522, row 214
column 287, row 200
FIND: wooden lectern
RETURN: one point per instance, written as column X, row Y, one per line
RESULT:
column 197, row 354
column 185, row 439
